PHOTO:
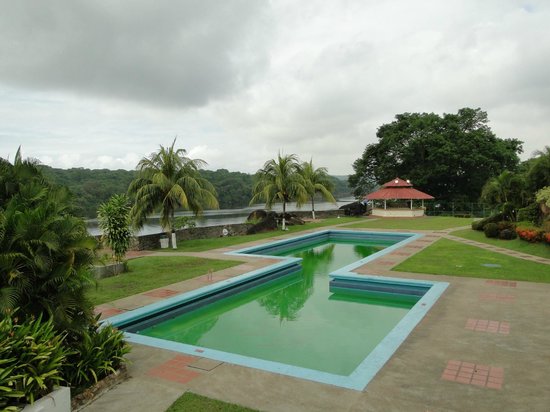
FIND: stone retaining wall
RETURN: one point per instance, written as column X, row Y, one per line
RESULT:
column 153, row 241
column 147, row 242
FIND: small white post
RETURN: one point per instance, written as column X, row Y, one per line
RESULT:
column 174, row 245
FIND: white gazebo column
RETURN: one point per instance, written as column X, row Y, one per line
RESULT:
column 384, row 204
column 422, row 203
column 411, row 204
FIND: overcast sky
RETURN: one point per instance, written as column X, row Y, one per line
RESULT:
column 100, row 84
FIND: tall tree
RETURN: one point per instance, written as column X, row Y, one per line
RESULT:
column 450, row 156
column 538, row 174
column 280, row 181
column 168, row 180
column 45, row 252
column 316, row 181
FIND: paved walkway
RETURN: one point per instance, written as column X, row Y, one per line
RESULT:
column 483, row 346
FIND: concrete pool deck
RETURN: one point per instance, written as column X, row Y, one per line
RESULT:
column 483, row 346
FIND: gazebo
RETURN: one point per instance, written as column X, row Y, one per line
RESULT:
column 401, row 196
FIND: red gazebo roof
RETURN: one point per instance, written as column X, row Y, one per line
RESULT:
column 398, row 189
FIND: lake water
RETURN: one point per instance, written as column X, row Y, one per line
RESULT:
column 222, row 216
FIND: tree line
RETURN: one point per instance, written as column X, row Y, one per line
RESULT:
column 92, row 187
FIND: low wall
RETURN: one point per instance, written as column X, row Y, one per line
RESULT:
column 319, row 214
column 395, row 212
column 152, row 241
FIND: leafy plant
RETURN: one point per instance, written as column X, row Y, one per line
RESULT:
column 280, row 181
column 316, row 181
column 543, row 196
column 45, row 252
column 32, row 355
column 530, row 213
column 491, row 230
column 530, row 235
column 182, row 222
column 98, row 353
column 480, row 224
column 507, row 234
column 114, row 221
column 168, row 180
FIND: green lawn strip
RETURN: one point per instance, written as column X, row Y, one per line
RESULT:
column 414, row 223
column 191, row 402
column 535, row 249
column 446, row 257
column 152, row 272
column 201, row 245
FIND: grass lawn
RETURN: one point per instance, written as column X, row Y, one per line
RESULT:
column 200, row 245
column 191, row 402
column 413, row 223
column 536, row 249
column 152, row 272
column 446, row 257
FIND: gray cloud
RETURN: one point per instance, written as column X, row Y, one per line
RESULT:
column 315, row 78
column 181, row 53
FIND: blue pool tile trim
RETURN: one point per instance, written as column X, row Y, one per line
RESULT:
column 365, row 371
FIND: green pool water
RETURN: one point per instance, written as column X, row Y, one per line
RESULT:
column 295, row 320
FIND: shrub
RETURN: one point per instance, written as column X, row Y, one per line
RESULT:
column 491, row 230
column 504, row 224
column 31, row 359
column 530, row 213
column 98, row 353
column 114, row 221
column 507, row 234
column 543, row 196
column 530, row 235
column 546, row 238
column 480, row 224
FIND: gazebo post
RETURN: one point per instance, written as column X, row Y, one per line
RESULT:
column 422, row 203
column 411, row 204
column 384, row 204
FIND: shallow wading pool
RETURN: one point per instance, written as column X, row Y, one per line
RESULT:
column 307, row 316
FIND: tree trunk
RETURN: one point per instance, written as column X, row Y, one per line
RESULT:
column 312, row 208
column 284, row 213
column 174, row 241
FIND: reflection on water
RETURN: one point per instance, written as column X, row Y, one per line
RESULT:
column 294, row 320
column 285, row 303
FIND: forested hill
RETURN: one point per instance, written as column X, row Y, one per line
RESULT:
column 93, row 187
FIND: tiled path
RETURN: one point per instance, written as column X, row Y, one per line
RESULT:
column 483, row 346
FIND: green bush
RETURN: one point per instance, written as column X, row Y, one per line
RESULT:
column 32, row 356
column 114, row 220
column 507, row 234
column 480, row 224
column 506, row 225
column 98, row 353
column 491, row 230
column 530, row 213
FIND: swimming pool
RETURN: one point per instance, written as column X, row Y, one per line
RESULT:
column 307, row 316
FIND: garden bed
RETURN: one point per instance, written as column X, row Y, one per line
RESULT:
column 83, row 399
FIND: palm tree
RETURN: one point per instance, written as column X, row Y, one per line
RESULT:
column 280, row 181
column 45, row 252
column 169, row 180
column 317, row 181
column 506, row 192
